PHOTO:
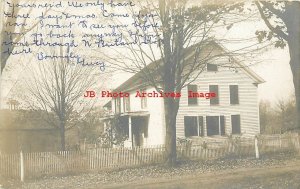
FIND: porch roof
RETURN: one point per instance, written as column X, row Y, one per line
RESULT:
column 136, row 113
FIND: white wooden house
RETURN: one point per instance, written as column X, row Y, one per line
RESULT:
column 234, row 110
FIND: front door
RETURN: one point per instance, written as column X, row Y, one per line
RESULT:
column 139, row 130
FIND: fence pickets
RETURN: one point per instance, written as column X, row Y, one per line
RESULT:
column 41, row 164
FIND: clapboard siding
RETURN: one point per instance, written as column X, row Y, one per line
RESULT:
column 224, row 77
column 247, row 107
column 156, row 129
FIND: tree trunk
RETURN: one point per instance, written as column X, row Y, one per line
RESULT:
column 171, row 108
column 295, row 65
column 291, row 19
column 62, row 136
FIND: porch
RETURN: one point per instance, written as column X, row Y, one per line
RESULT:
column 135, row 125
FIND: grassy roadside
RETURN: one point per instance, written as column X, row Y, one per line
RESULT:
column 150, row 173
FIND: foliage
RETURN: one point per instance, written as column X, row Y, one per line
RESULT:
column 234, row 140
column 91, row 126
column 187, row 143
column 282, row 20
column 278, row 119
column 236, row 143
column 13, row 40
column 115, row 132
column 56, row 88
column 184, row 28
column 277, row 28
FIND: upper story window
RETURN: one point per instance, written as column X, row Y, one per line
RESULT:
column 212, row 67
column 143, row 100
column 126, row 101
column 118, row 105
column 192, row 100
column 214, row 89
column 234, row 94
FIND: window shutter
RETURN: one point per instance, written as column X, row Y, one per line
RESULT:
column 214, row 89
column 234, row 94
column 191, row 100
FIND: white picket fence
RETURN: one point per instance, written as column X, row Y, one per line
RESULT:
column 34, row 165
column 41, row 164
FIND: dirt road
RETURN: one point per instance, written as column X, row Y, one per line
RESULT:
column 279, row 172
column 287, row 176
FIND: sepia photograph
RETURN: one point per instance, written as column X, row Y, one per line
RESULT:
column 149, row 94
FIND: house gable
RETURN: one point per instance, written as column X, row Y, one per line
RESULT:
column 138, row 81
column 213, row 117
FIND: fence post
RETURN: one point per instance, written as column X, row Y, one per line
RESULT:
column 22, row 166
column 256, row 147
column 298, row 143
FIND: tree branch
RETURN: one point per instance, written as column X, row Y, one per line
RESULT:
column 279, row 32
column 272, row 8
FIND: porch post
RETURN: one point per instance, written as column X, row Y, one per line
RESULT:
column 130, row 130
column 104, row 125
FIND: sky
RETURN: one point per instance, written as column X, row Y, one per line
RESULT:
column 273, row 64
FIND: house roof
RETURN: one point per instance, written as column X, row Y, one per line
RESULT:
column 134, row 82
column 257, row 79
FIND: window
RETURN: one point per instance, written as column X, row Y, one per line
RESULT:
column 214, row 89
column 215, row 125
column 191, row 100
column 143, row 100
column 118, row 105
column 190, row 126
column 193, row 126
column 126, row 104
column 236, row 124
column 234, row 94
column 212, row 67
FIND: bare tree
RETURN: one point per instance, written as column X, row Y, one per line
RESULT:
column 285, row 110
column 283, row 20
column 13, row 30
column 279, row 117
column 91, row 126
column 57, row 88
column 185, row 45
column 264, row 115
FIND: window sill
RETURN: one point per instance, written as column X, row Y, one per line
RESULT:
column 193, row 105
column 236, row 134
